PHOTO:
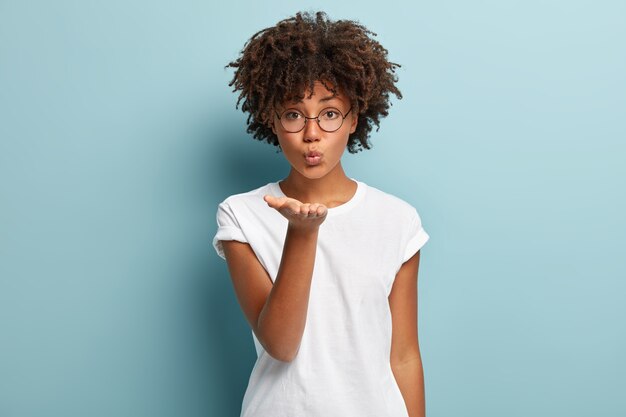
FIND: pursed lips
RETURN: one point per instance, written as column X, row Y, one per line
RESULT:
column 313, row 158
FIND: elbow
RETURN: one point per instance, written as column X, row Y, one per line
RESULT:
column 282, row 353
column 278, row 346
column 283, row 358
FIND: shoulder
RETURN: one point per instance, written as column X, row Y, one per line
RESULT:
column 247, row 198
column 391, row 204
column 249, row 206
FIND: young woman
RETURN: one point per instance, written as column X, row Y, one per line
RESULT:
column 323, row 265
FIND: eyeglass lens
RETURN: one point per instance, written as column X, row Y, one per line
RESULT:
column 329, row 119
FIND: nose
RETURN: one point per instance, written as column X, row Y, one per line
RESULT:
column 312, row 130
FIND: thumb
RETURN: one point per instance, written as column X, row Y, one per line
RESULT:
column 270, row 200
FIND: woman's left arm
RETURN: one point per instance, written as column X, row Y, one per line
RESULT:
column 406, row 361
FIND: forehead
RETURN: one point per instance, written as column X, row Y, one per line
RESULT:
column 319, row 95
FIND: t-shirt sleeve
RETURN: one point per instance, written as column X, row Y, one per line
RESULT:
column 416, row 237
column 227, row 228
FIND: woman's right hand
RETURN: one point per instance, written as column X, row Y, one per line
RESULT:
column 300, row 215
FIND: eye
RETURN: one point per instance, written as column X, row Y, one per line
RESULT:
column 329, row 114
column 292, row 115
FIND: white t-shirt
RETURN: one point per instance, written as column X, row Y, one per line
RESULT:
column 342, row 368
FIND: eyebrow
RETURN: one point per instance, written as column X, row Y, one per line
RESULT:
column 328, row 98
column 320, row 100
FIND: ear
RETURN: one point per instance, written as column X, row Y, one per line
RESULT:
column 354, row 122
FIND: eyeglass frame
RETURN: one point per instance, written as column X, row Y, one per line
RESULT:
column 343, row 118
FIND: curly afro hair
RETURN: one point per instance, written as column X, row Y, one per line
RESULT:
column 281, row 62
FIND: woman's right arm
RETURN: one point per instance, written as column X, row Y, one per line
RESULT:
column 277, row 312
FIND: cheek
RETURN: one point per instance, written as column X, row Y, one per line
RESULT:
column 336, row 151
column 289, row 150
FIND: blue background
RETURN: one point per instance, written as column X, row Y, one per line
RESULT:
column 119, row 136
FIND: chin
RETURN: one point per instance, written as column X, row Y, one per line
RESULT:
column 314, row 176
column 319, row 173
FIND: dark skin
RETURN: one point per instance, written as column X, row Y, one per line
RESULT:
column 277, row 312
column 280, row 60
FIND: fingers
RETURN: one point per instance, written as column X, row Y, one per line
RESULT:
column 310, row 210
column 295, row 207
column 320, row 209
column 305, row 209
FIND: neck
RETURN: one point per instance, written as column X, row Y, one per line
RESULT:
column 333, row 189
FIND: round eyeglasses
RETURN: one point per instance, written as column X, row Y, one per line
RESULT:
column 329, row 119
